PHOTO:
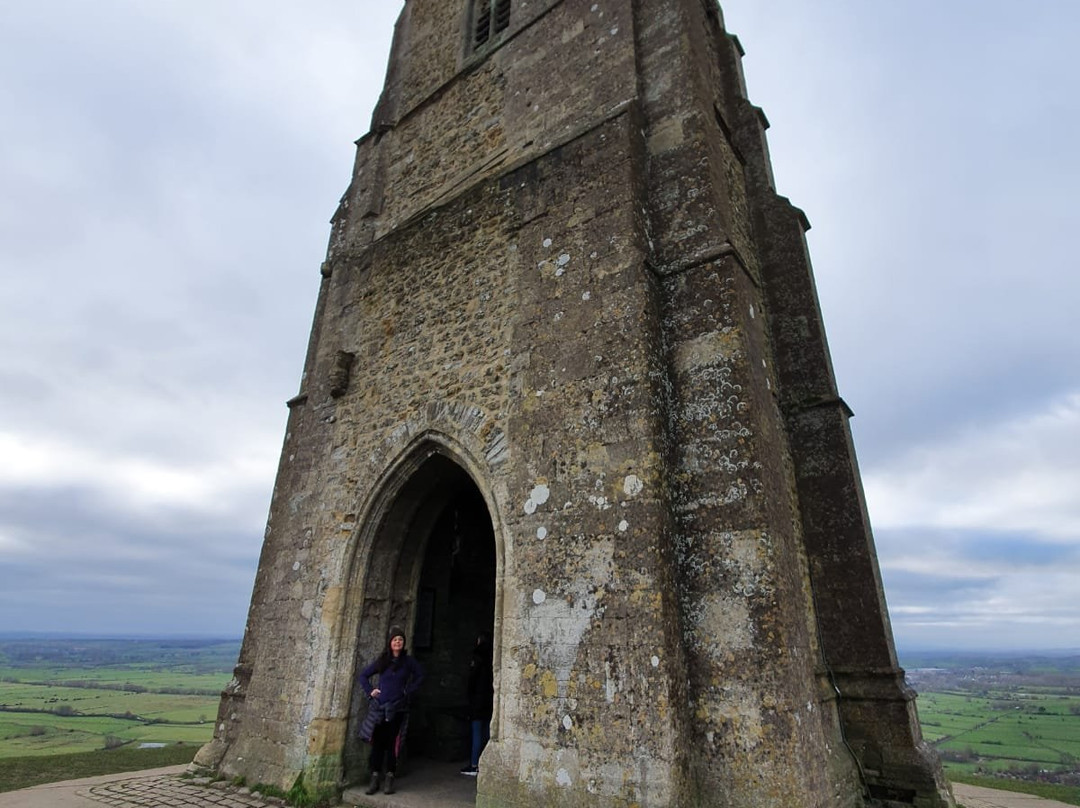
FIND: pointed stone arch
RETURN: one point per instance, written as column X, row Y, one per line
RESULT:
column 388, row 554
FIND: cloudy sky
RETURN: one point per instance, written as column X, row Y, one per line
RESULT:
column 167, row 170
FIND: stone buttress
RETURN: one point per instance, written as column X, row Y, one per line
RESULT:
column 561, row 282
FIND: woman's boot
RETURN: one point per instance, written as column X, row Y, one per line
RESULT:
column 374, row 783
column 389, row 783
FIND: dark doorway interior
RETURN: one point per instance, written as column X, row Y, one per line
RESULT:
column 455, row 602
column 432, row 570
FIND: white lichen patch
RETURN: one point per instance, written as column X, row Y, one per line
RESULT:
column 623, row 525
column 539, row 596
column 600, row 502
column 710, row 349
column 655, row 661
column 741, row 710
column 537, row 497
column 562, row 777
column 632, row 485
column 541, row 533
column 547, row 243
column 724, row 625
column 567, row 722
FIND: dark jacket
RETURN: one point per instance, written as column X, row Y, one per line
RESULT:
column 397, row 682
column 481, row 683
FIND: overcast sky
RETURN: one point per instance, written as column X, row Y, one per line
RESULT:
column 167, row 170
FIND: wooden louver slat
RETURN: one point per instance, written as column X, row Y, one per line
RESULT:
column 502, row 15
column 482, row 26
column 490, row 17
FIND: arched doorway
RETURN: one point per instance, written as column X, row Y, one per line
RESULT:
column 432, row 569
column 455, row 603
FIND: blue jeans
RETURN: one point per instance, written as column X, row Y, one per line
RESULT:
column 481, row 732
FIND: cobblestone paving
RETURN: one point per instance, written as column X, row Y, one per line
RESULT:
column 170, row 791
column 175, row 791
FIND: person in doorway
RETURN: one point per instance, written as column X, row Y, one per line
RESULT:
column 481, row 688
column 399, row 677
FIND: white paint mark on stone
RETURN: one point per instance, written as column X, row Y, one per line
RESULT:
column 562, row 777
column 632, row 485
column 541, row 533
column 539, row 596
column 567, row 722
column 623, row 525
column 655, row 661
column 557, row 626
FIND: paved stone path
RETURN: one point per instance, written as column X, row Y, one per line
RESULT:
column 426, row 785
column 977, row 797
column 167, row 788
column 174, row 792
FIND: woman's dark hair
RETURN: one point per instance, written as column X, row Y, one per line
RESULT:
column 386, row 658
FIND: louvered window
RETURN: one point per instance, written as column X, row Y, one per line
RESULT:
column 490, row 18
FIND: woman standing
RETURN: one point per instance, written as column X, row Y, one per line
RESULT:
column 399, row 677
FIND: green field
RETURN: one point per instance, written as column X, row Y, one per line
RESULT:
column 62, row 697
column 1002, row 730
column 72, row 697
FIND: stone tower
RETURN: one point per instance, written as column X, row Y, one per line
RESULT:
column 568, row 383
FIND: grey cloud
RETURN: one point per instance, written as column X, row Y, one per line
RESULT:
column 87, row 566
column 171, row 167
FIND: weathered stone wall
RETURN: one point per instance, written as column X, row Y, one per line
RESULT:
column 591, row 667
column 562, row 271
column 563, row 68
